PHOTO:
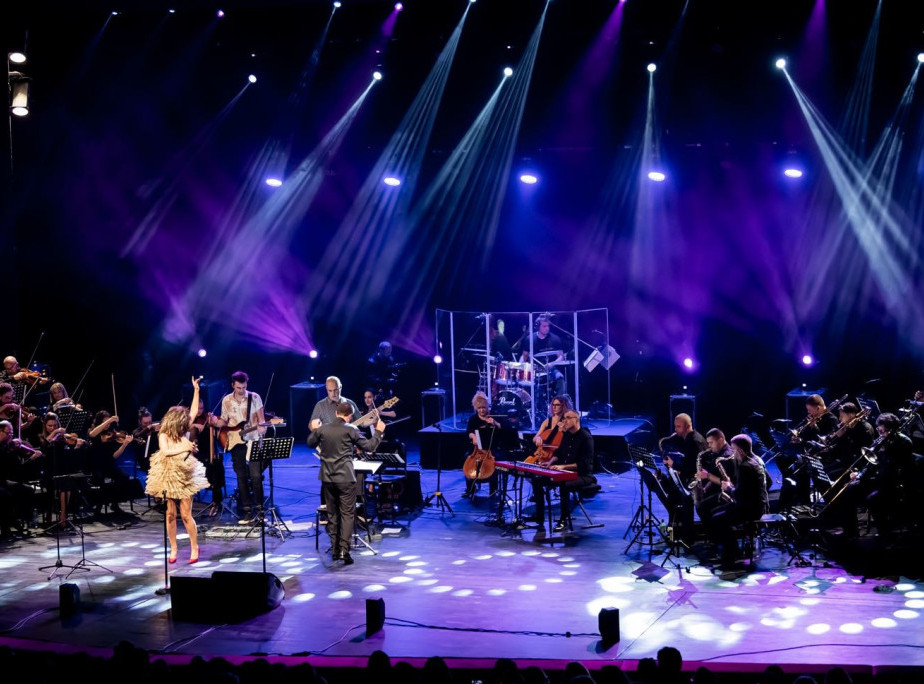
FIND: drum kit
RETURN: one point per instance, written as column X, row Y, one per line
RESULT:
column 512, row 382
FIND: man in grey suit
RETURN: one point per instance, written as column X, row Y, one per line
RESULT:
column 336, row 443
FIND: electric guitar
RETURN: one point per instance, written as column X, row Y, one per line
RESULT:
column 224, row 434
column 373, row 415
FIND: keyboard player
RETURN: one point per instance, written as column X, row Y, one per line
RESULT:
column 576, row 454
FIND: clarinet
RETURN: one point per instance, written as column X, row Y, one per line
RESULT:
column 723, row 495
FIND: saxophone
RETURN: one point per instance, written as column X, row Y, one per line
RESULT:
column 723, row 495
column 696, row 487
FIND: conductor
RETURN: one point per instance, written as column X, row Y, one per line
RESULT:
column 336, row 443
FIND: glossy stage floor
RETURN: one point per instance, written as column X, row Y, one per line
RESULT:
column 461, row 586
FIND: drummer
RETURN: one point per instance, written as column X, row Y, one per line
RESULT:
column 543, row 342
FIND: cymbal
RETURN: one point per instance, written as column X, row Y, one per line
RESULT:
column 562, row 362
column 546, row 354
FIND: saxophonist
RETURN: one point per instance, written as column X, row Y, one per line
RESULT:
column 744, row 478
column 706, row 486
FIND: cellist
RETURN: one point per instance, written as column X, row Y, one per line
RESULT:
column 550, row 432
column 479, row 462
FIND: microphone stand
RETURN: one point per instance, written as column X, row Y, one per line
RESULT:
column 164, row 590
column 438, row 494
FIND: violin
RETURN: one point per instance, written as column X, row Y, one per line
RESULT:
column 30, row 377
column 141, row 433
column 117, row 435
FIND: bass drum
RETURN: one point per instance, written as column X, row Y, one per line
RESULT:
column 511, row 399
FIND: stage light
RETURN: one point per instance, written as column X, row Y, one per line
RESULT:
column 19, row 91
column 793, row 173
column 313, row 354
column 807, row 360
column 398, row 7
column 220, row 14
column 252, row 78
column 508, row 72
column 337, row 5
column 652, row 68
column 439, row 359
column 273, row 182
column 202, row 353
column 921, row 56
column 115, row 13
column 528, row 179
column 781, row 63
column 171, row 11
column 657, row 176
column 17, row 58
column 688, row 363
column 392, row 181
column 377, row 75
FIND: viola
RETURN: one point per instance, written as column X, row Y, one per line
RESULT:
column 30, row 377
column 479, row 465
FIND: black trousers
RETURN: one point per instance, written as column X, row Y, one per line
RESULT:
column 249, row 478
column 340, row 499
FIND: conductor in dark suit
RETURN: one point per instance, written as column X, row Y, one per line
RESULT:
column 337, row 442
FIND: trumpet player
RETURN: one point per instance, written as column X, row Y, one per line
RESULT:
column 845, row 444
column 819, row 422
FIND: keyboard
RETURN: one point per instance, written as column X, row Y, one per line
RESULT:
column 535, row 471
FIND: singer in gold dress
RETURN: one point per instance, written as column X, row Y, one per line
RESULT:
column 176, row 474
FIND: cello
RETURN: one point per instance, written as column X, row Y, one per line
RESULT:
column 551, row 440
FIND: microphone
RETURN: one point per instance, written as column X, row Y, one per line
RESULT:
column 481, row 316
column 599, row 332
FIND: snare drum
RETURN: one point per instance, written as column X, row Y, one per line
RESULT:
column 504, row 374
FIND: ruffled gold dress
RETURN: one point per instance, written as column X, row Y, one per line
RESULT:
column 181, row 476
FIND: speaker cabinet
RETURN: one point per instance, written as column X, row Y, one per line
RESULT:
column 68, row 600
column 375, row 615
column 608, row 624
column 225, row 596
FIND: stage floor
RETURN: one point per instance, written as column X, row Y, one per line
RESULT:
column 461, row 588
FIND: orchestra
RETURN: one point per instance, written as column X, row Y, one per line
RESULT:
column 55, row 461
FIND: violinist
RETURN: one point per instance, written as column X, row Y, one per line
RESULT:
column 60, row 399
column 16, row 498
column 211, row 455
column 12, row 412
column 63, row 456
column 12, row 372
column 481, row 423
column 107, row 445
column 145, row 436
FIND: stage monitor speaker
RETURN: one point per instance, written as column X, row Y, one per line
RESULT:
column 302, row 398
column 608, row 623
column 225, row 596
column 375, row 615
column 246, row 594
column 192, row 599
column 68, row 600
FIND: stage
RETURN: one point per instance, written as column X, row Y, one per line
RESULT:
column 469, row 587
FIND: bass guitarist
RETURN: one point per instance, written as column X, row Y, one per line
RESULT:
column 242, row 413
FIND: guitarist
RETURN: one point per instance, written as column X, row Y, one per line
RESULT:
column 239, row 410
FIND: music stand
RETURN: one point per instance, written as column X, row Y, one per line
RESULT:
column 268, row 450
column 645, row 521
column 360, row 468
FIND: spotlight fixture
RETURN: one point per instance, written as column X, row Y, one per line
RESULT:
column 439, row 359
column 273, row 182
column 657, row 176
column 652, row 68
column 508, row 72
column 921, row 57
column 377, row 75
column 17, row 58
column 252, row 78
column 792, row 173
column 313, row 354
column 202, row 353
column 399, row 6
column 529, row 179
column 171, row 11
column 807, row 360
column 220, row 14
column 337, row 5
column 392, row 181
column 19, row 93
column 781, row 63
column 688, row 363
